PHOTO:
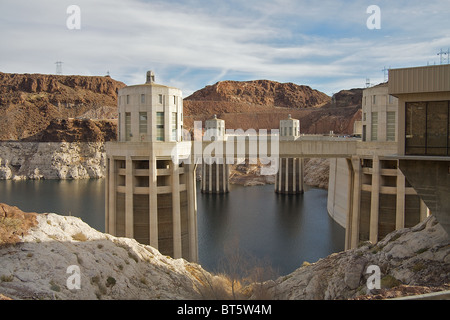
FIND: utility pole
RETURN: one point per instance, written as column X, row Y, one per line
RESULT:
column 386, row 73
column 58, row 67
column 442, row 54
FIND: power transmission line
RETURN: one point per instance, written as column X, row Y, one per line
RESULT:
column 442, row 55
column 59, row 67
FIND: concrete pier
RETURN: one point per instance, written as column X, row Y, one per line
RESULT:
column 289, row 178
column 215, row 171
column 215, row 178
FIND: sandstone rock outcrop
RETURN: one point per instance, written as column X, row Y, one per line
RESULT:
column 316, row 172
column 52, row 160
column 410, row 257
column 41, row 264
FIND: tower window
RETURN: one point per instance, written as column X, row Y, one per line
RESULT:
column 174, row 126
column 374, row 133
column 142, row 98
column 160, row 98
column 390, row 126
column 159, row 126
column 142, row 122
column 127, row 126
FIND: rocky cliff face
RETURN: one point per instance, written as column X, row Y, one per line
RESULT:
column 29, row 102
column 52, row 160
column 77, row 130
column 43, row 256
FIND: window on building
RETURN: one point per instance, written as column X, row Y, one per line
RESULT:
column 437, row 128
column 160, row 98
column 174, row 100
column 174, row 125
column 390, row 126
column 374, row 99
column 391, row 99
column 416, row 124
column 374, row 127
column 128, row 99
column 143, row 122
column 427, row 128
column 127, row 126
column 159, row 126
column 142, row 98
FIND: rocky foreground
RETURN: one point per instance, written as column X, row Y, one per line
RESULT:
column 39, row 249
column 412, row 261
column 48, row 256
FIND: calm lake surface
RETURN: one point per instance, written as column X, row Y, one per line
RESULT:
column 283, row 230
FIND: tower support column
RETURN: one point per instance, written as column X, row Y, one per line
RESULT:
column 289, row 178
column 215, row 178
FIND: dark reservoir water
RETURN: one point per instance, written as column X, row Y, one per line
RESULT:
column 283, row 230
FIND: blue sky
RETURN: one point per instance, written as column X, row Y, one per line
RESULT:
column 193, row 43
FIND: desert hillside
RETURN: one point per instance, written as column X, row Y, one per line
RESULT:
column 29, row 102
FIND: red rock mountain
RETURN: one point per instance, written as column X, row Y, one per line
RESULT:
column 29, row 102
column 263, row 93
column 261, row 104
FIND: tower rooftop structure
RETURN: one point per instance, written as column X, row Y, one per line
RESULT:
column 215, row 129
column 150, row 112
column 289, row 128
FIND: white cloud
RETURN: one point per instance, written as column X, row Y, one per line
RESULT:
column 194, row 43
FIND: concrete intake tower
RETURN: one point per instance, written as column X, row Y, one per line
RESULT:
column 149, row 197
